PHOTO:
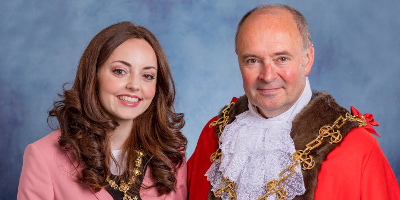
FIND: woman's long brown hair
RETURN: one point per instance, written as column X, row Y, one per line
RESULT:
column 84, row 123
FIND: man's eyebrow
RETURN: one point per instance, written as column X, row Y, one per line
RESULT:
column 123, row 62
column 283, row 53
column 250, row 55
column 280, row 53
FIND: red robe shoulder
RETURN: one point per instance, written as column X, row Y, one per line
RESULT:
column 355, row 169
column 199, row 162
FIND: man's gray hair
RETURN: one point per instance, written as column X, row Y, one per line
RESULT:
column 301, row 22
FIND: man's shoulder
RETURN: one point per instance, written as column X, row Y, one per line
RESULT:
column 208, row 130
column 359, row 140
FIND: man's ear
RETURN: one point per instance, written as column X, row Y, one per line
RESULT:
column 309, row 59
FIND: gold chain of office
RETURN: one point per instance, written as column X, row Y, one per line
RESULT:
column 301, row 157
column 124, row 187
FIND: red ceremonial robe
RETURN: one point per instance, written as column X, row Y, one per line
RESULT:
column 354, row 169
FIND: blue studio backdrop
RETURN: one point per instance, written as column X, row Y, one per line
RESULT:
column 357, row 60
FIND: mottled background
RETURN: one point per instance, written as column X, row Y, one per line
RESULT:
column 357, row 60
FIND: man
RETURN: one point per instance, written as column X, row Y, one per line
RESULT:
column 281, row 140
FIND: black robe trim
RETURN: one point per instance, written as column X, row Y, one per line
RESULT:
column 118, row 195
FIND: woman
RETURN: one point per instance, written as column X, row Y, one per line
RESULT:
column 119, row 137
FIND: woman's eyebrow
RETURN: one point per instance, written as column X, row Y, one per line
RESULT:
column 123, row 62
column 150, row 67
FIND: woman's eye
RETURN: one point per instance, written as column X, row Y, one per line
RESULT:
column 119, row 72
column 148, row 76
column 251, row 61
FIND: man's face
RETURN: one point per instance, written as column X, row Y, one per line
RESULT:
column 272, row 61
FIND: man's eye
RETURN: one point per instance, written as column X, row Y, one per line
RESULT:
column 251, row 61
column 283, row 59
column 119, row 72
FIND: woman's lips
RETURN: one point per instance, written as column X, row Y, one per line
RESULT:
column 129, row 100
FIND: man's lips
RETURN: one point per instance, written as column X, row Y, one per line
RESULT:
column 268, row 90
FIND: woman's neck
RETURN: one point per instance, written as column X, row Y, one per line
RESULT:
column 119, row 136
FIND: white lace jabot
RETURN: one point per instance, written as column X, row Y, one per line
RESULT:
column 255, row 150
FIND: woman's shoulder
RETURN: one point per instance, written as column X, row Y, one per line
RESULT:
column 49, row 171
column 48, row 142
column 47, row 154
column 45, row 148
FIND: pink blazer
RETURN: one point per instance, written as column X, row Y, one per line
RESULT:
column 48, row 173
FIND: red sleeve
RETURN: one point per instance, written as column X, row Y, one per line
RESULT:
column 199, row 163
column 357, row 169
column 378, row 180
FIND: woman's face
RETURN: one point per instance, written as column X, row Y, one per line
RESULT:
column 127, row 80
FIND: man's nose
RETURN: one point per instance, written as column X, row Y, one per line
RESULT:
column 267, row 72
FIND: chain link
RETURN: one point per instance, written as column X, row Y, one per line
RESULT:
column 123, row 186
column 222, row 122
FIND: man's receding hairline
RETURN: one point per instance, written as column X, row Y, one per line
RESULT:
column 269, row 10
column 264, row 11
column 275, row 9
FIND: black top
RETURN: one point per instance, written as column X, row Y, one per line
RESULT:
column 118, row 195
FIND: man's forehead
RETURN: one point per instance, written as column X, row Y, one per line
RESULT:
column 274, row 27
column 271, row 18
